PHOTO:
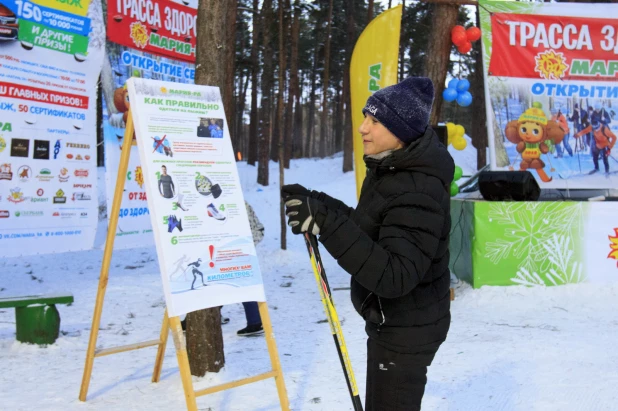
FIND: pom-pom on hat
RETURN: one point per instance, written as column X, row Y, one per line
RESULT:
column 403, row 108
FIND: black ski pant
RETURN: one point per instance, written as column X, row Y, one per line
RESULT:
column 395, row 381
column 596, row 152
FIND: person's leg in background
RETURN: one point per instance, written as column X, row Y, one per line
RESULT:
column 254, row 321
column 395, row 381
column 567, row 146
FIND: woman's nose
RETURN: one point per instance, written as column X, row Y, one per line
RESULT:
column 364, row 129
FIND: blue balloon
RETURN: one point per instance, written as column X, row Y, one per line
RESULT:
column 453, row 83
column 449, row 94
column 464, row 99
column 463, row 85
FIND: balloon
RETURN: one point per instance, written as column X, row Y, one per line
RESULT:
column 454, row 189
column 450, row 130
column 456, row 29
column 465, row 47
column 458, row 173
column 463, row 85
column 459, row 131
column 473, row 34
column 453, row 83
column 459, row 37
column 449, row 94
column 464, row 99
column 460, row 143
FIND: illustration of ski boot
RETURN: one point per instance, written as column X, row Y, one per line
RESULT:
column 213, row 212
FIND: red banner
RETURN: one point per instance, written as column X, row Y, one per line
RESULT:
column 42, row 95
column 553, row 47
column 155, row 26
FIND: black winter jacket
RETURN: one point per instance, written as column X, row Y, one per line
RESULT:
column 395, row 245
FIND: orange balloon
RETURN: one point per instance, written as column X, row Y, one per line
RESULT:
column 465, row 48
column 473, row 33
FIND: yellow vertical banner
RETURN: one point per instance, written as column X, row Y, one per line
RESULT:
column 373, row 66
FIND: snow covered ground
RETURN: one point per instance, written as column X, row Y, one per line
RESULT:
column 510, row 348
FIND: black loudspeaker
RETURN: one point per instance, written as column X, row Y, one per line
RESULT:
column 508, row 186
column 442, row 134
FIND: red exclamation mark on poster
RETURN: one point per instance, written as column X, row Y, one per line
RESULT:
column 211, row 248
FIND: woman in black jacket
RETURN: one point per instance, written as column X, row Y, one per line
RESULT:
column 394, row 244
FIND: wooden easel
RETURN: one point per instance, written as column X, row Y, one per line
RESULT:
column 169, row 324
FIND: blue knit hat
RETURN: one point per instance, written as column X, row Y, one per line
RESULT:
column 403, row 108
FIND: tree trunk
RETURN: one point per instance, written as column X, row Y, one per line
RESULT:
column 204, row 337
column 230, row 57
column 255, row 68
column 274, row 142
column 439, row 53
column 239, row 114
column 348, row 134
column 325, row 81
column 369, row 11
column 338, row 124
column 293, row 90
column 311, row 103
column 282, row 34
column 265, row 128
column 479, row 125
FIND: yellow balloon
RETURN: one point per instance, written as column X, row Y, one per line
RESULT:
column 450, row 130
column 460, row 143
column 459, row 131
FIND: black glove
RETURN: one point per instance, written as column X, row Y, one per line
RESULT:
column 294, row 189
column 305, row 214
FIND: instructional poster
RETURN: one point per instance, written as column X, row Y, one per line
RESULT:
column 50, row 58
column 201, row 229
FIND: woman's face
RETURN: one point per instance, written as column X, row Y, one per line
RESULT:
column 376, row 137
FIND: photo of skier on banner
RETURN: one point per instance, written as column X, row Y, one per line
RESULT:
column 603, row 142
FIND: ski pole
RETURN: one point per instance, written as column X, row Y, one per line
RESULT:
column 333, row 318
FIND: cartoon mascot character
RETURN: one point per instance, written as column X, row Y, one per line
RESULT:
column 534, row 134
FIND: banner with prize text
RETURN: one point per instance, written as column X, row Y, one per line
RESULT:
column 50, row 59
column 550, row 81
column 148, row 39
column 197, row 210
column 373, row 66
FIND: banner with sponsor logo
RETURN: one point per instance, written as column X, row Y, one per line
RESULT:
column 201, row 229
column 550, row 79
column 156, row 26
column 50, row 59
column 125, row 60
